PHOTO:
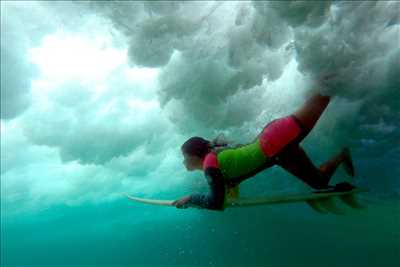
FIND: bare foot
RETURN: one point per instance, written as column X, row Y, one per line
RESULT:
column 348, row 162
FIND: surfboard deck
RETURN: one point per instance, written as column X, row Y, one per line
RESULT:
column 157, row 202
column 310, row 198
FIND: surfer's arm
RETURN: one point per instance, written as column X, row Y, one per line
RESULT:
column 214, row 200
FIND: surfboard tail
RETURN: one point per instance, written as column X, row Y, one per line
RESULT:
column 316, row 206
column 329, row 204
column 351, row 201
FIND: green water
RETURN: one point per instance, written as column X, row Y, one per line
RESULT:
column 124, row 234
column 98, row 96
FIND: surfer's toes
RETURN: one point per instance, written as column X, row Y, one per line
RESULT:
column 348, row 162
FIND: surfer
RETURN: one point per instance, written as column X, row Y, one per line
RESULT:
column 278, row 143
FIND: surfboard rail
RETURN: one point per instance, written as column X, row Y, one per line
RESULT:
column 254, row 201
column 265, row 200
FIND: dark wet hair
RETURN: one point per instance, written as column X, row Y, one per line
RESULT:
column 198, row 146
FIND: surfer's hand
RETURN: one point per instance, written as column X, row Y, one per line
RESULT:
column 181, row 203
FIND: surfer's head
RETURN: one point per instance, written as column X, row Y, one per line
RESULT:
column 194, row 151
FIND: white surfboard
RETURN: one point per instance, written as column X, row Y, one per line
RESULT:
column 314, row 199
column 151, row 201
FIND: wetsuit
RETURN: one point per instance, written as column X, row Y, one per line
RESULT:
column 231, row 166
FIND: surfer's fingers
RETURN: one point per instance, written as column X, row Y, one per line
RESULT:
column 177, row 204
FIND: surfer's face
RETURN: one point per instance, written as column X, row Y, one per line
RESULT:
column 192, row 162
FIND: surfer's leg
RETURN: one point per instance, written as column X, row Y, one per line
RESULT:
column 309, row 113
column 296, row 161
column 328, row 168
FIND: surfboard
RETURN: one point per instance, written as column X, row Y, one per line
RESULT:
column 151, row 201
column 319, row 201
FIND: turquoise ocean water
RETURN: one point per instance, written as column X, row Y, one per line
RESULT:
column 98, row 96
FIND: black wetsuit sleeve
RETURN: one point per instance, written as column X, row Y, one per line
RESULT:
column 214, row 200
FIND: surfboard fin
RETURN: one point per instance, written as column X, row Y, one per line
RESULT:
column 351, row 201
column 315, row 206
column 330, row 205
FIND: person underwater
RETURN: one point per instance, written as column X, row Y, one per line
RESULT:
column 225, row 167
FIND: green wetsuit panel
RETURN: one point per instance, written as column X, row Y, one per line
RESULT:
column 235, row 162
